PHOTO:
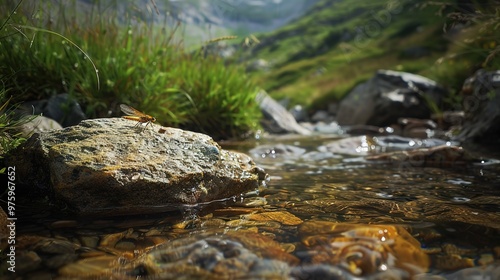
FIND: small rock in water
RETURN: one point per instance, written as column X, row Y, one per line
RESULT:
column 231, row 255
column 388, row 96
column 55, row 246
column 440, row 156
column 280, row 151
column 282, row 217
column 27, row 261
column 356, row 146
column 96, row 267
column 363, row 249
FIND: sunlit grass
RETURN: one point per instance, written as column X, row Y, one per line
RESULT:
column 137, row 63
column 10, row 123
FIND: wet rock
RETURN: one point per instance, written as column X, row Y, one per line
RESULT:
column 125, row 246
column 108, row 166
column 482, row 117
column 55, row 247
column 317, row 156
column 280, row 151
column 89, row 268
column 233, row 211
column 57, row 261
column 363, row 130
column 89, row 241
column 399, row 143
column 27, row 261
column 395, row 149
column 282, row 217
column 369, row 145
column 233, row 255
column 299, row 113
column 440, row 156
column 417, row 128
column 254, row 202
column 388, row 96
column 36, row 255
column 363, row 249
column 244, row 223
column 276, row 118
column 354, row 146
column 322, row 116
column 449, row 119
column 318, row 272
column 351, row 206
column 110, row 240
column 452, row 262
column 328, row 128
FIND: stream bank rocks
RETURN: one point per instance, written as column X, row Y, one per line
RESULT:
column 388, row 96
column 482, row 117
column 108, row 166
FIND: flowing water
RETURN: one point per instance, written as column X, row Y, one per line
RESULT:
column 322, row 215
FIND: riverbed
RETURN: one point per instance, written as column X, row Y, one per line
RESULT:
column 329, row 216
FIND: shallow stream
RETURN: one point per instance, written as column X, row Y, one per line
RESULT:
column 321, row 216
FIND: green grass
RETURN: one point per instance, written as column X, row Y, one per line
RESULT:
column 10, row 136
column 323, row 55
column 142, row 66
column 10, row 122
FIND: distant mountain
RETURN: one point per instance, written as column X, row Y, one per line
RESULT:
column 200, row 20
column 240, row 15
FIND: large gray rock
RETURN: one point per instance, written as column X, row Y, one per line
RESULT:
column 388, row 96
column 482, row 110
column 107, row 166
column 276, row 118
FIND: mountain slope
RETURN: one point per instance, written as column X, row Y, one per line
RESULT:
column 339, row 43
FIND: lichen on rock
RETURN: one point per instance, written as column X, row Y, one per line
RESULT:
column 107, row 165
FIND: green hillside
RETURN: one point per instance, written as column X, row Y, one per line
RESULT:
column 338, row 44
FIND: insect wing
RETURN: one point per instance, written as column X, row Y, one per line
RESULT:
column 131, row 111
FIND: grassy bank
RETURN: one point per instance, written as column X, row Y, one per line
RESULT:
column 104, row 59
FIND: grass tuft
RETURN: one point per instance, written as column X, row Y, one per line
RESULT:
column 104, row 61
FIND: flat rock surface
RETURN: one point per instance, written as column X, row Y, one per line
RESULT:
column 108, row 165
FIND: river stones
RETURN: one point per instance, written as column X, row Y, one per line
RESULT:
column 282, row 217
column 109, row 167
column 277, row 151
column 276, row 118
column 440, row 156
column 388, row 96
column 481, row 100
column 231, row 255
column 363, row 249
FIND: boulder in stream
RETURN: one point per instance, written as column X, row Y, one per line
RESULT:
column 388, row 96
column 481, row 126
column 110, row 167
column 276, row 118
